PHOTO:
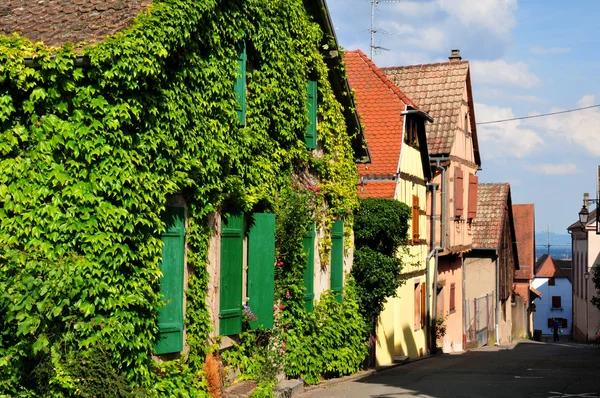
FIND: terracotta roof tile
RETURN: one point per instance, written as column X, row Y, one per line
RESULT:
column 524, row 220
column 492, row 200
column 377, row 189
column 380, row 104
column 546, row 267
column 438, row 89
column 55, row 22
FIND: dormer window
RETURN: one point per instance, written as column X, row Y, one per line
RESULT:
column 411, row 135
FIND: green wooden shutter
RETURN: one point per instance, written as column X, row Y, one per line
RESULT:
column 310, row 136
column 261, row 269
column 232, row 248
column 337, row 258
column 240, row 85
column 170, row 316
column 309, row 278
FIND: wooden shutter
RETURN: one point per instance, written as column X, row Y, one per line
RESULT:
column 309, row 279
column 240, row 84
column 458, row 192
column 415, row 220
column 261, row 269
column 473, row 185
column 417, row 301
column 563, row 323
column 423, row 303
column 550, row 323
column 232, row 247
column 337, row 259
column 551, row 281
column 452, row 297
column 170, row 316
column 310, row 136
column 556, row 302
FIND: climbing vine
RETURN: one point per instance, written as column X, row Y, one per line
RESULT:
column 89, row 156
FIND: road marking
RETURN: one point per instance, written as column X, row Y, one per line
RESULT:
column 582, row 395
column 528, row 377
column 540, row 370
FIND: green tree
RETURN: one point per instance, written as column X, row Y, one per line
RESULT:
column 380, row 229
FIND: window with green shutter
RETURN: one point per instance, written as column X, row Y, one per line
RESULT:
column 261, row 268
column 337, row 258
column 310, row 136
column 170, row 316
column 309, row 278
column 240, row 84
column 232, row 250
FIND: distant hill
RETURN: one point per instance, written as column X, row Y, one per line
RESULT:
column 560, row 245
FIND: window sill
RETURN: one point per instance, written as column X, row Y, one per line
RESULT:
column 556, row 309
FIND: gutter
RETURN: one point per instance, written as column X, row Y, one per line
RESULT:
column 80, row 61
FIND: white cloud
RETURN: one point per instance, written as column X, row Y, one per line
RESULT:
column 500, row 72
column 508, row 139
column 528, row 98
column 553, row 168
column 495, row 15
column 550, row 51
column 579, row 128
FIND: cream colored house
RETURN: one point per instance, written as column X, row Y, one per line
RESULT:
column 444, row 91
column 395, row 131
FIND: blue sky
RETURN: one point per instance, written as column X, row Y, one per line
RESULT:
column 527, row 57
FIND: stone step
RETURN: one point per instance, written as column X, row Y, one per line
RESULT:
column 288, row 388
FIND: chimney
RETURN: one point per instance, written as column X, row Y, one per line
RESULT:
column 455, row 55
column 586, row 199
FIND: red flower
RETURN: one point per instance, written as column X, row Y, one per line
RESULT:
column 281, row 307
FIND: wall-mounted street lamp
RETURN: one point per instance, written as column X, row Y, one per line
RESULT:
column 586, row 276
column 584, row 213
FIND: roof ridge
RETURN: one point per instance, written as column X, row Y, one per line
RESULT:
column 466, row 61
column 395, row 89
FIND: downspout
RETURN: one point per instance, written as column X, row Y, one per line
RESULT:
column 428, row 308
column 464, row 301
column 497, row 298
column 437, row 250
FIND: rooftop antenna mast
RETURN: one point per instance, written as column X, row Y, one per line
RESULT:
column 374, row 4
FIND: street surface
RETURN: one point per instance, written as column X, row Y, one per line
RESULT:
column 526, row 369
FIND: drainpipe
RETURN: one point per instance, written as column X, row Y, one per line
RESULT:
column 428, row 316
column 464, row 301
column 497, row 298
column 436, row 251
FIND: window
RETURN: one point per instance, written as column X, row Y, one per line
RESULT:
column 415, row 220
column 411, row 137
column 310, row 135
column 551, row 281
column 240, row 85
column 260, row 262
column 337, row 259
column 562, row 323
column 452, row 298
column 419, row 300
column 473, row 184
column 556, row 302
column 308, row 241
column 458, row 193
column 170, row 317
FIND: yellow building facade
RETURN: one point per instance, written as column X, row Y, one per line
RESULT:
column 402, row 328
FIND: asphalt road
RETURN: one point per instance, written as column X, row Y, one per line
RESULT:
column 526, row 369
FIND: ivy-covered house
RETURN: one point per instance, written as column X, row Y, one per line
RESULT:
column 175, row 174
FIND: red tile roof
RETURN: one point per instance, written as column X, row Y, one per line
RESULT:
column 377, row 189
column 547, row 268
column 438, row 89
column 380, row 104
column 524, row 219
column 492, row 200
column 55, row 22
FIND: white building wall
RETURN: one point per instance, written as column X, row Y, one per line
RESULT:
column 543, row 306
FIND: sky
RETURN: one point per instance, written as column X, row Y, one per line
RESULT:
column 527, row 57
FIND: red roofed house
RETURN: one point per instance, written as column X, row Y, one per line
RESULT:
column 554, row 284
column 490, row 268
column 444, row 91
column 399, row 169
column 524, row 219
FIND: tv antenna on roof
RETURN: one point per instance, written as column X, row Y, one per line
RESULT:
column 374, row 4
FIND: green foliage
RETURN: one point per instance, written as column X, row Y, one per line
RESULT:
column 381, row 227
column 89, row 157
column 596, row 279
column 328, row 342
